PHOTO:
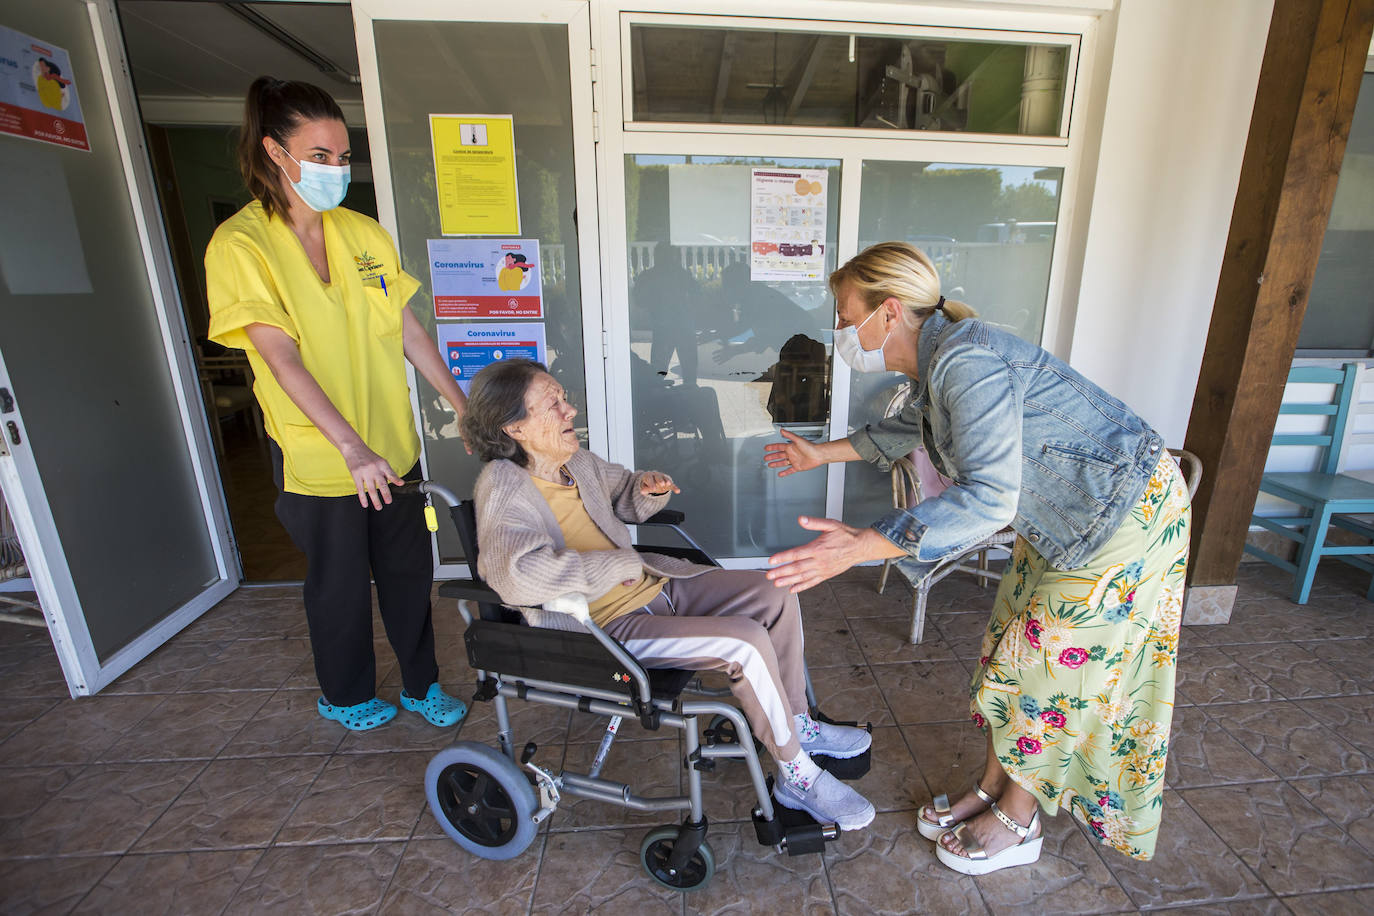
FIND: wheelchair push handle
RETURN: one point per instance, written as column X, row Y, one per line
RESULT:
column 427, row 488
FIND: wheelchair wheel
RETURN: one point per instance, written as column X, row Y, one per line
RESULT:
column 658, row 846
column 482, row 800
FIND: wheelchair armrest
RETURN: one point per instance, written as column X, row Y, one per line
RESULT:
column 665, row 517
column 690, row 554
column 469, row 590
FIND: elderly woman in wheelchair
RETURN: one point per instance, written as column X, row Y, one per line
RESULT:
column 551, row 520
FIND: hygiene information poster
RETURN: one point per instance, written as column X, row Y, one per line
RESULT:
column 787, row 224
column 38, row 97
column 469, row 347
column 486, row 278
column 474, row 171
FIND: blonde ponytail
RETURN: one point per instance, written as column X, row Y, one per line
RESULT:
column 901, row 271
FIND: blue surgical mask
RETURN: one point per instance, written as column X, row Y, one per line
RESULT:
column 852, row 352
column 322, row 187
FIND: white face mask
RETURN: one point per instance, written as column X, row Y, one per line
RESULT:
column 852, row 352
column 322, row 187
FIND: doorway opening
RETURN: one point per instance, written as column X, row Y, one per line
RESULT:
column 192, row 63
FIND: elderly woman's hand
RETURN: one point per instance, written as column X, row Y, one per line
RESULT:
column 656, row 483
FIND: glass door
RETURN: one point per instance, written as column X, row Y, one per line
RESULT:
column 728, row 335
column 105, row 463
column 523, row 68
column 953, row 135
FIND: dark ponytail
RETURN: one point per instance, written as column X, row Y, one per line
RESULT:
column 276, row 108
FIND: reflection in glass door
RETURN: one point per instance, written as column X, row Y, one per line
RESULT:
column 722, row 354
column 527, row 60
column 990, row 231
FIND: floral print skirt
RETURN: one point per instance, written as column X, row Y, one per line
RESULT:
column 1076, row 680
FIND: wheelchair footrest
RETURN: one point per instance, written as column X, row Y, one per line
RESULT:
column 850, row 767
column 847, row 768
column 797, row 832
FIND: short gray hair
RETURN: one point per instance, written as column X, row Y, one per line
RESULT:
column 495, row 401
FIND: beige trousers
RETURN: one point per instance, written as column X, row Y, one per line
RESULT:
column 737, row 622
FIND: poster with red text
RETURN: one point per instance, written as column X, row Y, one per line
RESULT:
column 38, row 98
column 486, row 278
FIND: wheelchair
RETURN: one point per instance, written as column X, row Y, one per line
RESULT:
column 492, row 803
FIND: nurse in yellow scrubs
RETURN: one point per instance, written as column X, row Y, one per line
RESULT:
column 315, row 295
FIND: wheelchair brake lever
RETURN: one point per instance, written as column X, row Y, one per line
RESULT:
column 547, row 784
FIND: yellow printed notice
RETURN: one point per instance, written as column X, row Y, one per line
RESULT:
column 474, row 170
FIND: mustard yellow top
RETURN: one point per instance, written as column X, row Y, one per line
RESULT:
column 348, row 331
column 510, row 278
column 49, row 93
column 580, row 533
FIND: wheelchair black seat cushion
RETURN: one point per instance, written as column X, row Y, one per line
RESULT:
column 558, row 656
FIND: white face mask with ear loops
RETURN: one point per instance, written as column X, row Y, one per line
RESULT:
column 852, row 352
column 322, row 187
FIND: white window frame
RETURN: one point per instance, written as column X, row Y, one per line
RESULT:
column 575, row 14
column 619, row 137
column 867, row 29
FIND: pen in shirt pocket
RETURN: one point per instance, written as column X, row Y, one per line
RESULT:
column 384, row 292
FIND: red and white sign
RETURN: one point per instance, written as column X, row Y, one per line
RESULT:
column 38, row 97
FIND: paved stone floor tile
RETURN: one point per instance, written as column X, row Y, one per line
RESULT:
column 204, row 780
column 1289, row 844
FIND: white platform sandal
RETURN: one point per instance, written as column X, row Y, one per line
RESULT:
column 944, row 820
column 978, row 862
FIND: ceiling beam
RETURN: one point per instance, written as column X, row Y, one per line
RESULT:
column 801, row 76
column 188, row 110
column 727, row 60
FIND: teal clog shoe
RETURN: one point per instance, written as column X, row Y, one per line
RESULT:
column 359, row 717
column 437, row 707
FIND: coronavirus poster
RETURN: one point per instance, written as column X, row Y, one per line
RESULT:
column 38, row 97
column 469, row 347
column 486, row 278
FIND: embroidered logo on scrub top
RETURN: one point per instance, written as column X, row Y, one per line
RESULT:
column 370, row 270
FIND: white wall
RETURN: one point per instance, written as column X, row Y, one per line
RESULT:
column 1182, row 86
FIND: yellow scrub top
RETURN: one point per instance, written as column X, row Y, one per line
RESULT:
column 348, row 331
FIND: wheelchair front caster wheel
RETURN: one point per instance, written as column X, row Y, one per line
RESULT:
column 655, row 851
column 482, row 800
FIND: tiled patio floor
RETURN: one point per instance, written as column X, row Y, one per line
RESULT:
column 204, row 782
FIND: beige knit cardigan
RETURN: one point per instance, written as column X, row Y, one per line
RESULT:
column 522, row 553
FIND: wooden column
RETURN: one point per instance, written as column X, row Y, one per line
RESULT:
column 1309, row 79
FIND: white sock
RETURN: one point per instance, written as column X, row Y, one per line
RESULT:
column 808, row 729
column 801, row 770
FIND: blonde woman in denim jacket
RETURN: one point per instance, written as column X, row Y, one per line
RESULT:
column 1075, row 683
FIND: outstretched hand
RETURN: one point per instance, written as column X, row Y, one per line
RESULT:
column 657, row 483
column 796, row 454
column 839, row 547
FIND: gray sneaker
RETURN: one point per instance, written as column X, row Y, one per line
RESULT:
column 828, row 801
column 839, row 741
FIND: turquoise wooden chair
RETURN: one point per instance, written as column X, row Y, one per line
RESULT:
column 1327, row 498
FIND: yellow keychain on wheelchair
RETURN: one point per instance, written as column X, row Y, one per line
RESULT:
column 431, row 518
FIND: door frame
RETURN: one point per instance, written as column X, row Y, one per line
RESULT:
column 19, row 472
column 619, row 138
column 575, row 14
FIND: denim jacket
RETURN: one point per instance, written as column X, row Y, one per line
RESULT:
column 1028, row 441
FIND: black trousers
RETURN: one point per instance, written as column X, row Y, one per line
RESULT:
column 345, row 545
